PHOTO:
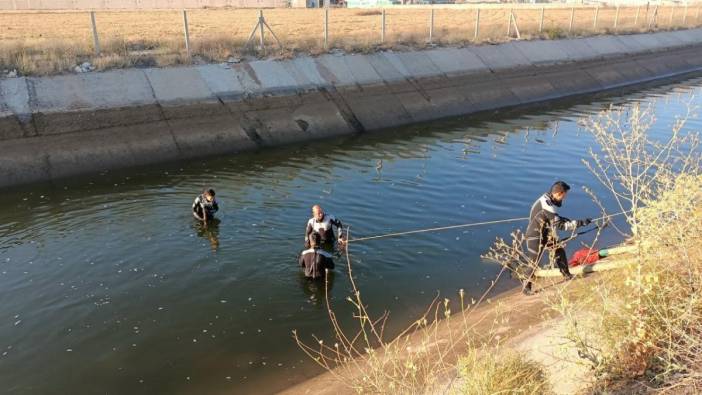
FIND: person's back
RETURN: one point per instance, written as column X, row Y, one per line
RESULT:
column 315, row 260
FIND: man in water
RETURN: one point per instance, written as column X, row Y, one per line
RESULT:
column 323, row 224
column 315, row 260
column 541, row 233
column 205, row 206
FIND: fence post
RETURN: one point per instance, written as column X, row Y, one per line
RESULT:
column 326, row 28
column 597, row 12
column 572, row 16
column 636, row 18
column 96, row 39
column 477, row 23
column 260, row 24
column 509, row 24
column 672, row 11
column 652, row 21
column 697, row 15
column 541, row 21
column 186, row 31
column 431, row 26
column 382, row 27
column 616, row 19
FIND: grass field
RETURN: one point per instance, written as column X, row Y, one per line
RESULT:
column 39, row 43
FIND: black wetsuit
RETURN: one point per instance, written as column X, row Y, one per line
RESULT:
column 544, row 222
column 325, row 229
column 201, row 205
column 314, row 261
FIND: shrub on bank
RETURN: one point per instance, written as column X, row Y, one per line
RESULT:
column 641, row 326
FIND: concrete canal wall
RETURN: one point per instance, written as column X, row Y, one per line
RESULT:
column 52, row 127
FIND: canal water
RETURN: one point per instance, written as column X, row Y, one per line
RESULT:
column 108, row 286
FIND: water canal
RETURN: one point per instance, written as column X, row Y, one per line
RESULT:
column 108, row 286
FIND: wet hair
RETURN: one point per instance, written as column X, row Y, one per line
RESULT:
column 209, row 191
column 560, row 187
column 315, row 239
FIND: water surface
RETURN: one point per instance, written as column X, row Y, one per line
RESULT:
column 107, row 285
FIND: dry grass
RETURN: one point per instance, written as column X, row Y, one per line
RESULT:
column 40, row 43
column 648, row 326
column 508, row 372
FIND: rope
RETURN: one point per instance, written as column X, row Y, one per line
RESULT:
column 499, row 221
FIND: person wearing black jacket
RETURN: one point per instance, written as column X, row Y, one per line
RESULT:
column 542, row 231
column 323, row 224
column 315, row 260
column 205, row 205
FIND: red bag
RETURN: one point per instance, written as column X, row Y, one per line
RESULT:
column 584, row 256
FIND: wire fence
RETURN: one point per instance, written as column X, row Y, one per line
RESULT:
column 50, row 42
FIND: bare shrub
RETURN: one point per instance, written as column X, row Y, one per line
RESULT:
column 643, row 323
column 421, row 359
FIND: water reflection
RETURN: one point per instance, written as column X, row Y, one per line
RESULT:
column 316, row 290
column 208, row 231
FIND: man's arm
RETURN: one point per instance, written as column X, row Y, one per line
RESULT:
column 339, row 227
column 196, row 204
column 563, row 223
column 308, row 232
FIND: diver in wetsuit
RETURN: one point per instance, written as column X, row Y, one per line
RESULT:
column 323, row 224
column 315, row 260
column 541, row 233
column 205, row 205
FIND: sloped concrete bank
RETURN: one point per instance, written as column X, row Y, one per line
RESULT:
column 52, row 127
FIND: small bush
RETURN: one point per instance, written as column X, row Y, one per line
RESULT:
column 506, row 373
column 555, row 33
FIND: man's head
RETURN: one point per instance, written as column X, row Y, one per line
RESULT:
column 209, row 194
column 315, row 240
column 559, row 191
column 317, row 212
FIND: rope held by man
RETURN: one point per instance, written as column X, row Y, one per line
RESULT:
column 468, row 225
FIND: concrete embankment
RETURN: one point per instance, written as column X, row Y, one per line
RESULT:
column 52, row 127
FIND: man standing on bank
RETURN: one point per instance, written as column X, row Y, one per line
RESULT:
column 542, row 231
column 323, row 224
